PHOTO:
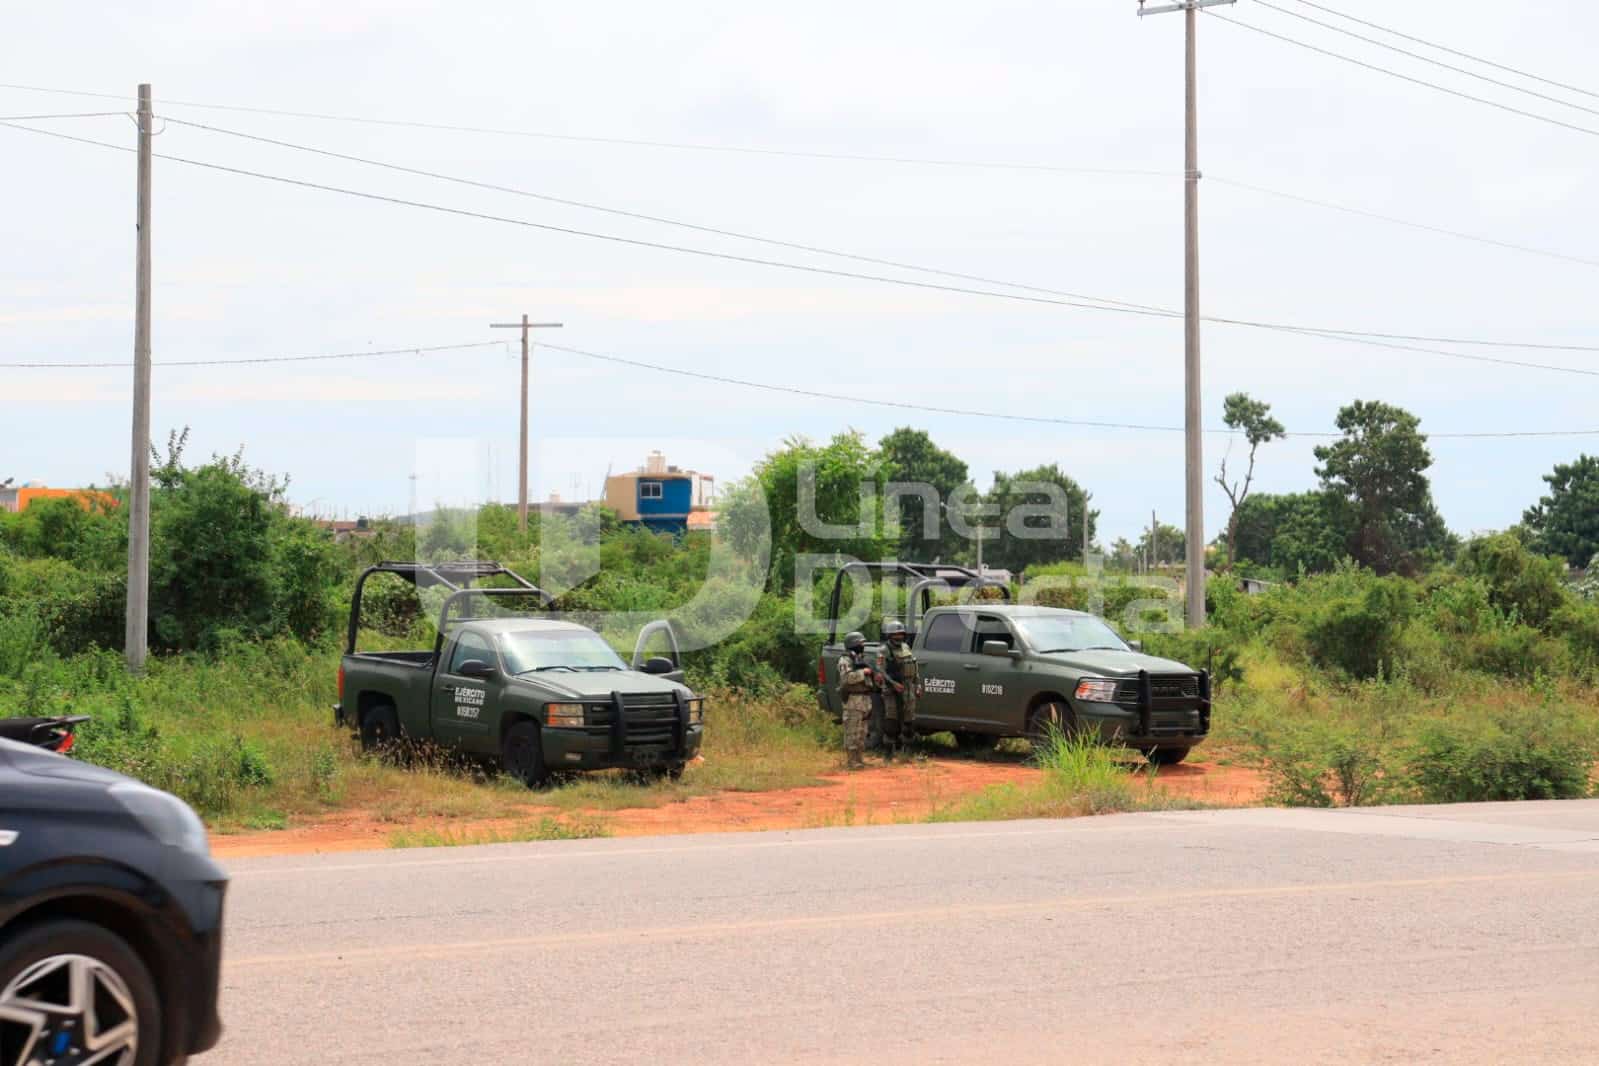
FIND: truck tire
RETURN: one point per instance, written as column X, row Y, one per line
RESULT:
column 522, row 755
column 1166, row 756
column 51, row 961
column 380, row 730
column 1050, row 717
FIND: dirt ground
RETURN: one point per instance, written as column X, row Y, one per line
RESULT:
column 877, row 795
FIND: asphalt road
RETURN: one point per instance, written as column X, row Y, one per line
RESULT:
column 1464, row 934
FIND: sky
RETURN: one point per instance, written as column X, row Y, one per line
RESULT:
column 246, row 267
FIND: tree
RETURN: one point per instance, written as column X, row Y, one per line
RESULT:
column 811, row 500
column 1035, row 517
column 1253, row 417
column 1566, row 521
column 1170, row 546
column 911, row 457
column 1379, row 467
column 1123, row 556
column 1307, row 531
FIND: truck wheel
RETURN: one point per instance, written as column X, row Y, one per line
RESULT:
column 85, row 990
column 523, row 755
column 672, row 771
column 380, row 730
column 1166, row 756
column 1047, row 718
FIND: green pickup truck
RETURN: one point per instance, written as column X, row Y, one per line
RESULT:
column 995, row 669
column 535, row 692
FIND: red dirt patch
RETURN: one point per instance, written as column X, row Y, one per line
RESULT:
column 878, row 795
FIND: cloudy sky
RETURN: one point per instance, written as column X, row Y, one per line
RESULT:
column 246, row 267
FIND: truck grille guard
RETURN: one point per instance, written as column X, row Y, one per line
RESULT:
column 1146, row 700
column 618, row 725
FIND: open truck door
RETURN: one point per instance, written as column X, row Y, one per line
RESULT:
column 670, row 665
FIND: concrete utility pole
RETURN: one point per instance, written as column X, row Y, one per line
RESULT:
column 1085, row 531
column 137, row 640
column 521, row 493
column 1195, row 479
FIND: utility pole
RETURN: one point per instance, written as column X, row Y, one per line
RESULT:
column 1195, row 479
column 1085, row 531
column 137, row 640
column 521, row 493
column 1154, row 540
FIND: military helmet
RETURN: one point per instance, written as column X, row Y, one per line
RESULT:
column 855, row 641
column 893, row 627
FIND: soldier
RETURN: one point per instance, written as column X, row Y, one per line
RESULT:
column 856, row 680
column 902, row 680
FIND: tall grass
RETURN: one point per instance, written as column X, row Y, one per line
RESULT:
column 1081, row 777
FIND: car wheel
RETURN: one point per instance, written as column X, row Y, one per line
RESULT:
column 672, row 771
column 380, row 730
column 1166, row 756
column 74, row 992
column 522, row 755
column 1048, row 718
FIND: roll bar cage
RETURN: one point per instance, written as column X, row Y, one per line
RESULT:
column 928, row 576
column 458, row 578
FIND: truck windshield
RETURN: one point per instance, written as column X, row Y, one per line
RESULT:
column 1053, row 633
column 532, row 649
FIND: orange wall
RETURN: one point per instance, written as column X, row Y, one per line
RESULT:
column 85, row 497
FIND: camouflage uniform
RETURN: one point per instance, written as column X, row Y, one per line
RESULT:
column 898, row 666
column 855, row 685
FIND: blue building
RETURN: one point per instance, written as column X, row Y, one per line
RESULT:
column 664, row 498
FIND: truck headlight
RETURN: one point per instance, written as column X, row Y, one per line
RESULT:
column 1096, row 690
column 163, row 816
column 696, row 709
column 566, row 715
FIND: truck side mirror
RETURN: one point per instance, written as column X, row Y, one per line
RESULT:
column 1000, row 650
column 1136, row 645
column 658, row 664
column 475, row 668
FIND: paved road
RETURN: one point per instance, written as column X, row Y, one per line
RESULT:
column 1464, row 934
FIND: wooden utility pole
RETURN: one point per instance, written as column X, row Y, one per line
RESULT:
column 1194, row 481
column 138, row 621
column 521, row 492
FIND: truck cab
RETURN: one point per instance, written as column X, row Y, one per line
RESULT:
column 996, row 669
column 539, row 693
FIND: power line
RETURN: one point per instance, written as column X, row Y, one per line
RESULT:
column 1111, row 303
column 1005, row 416
column 75, row 114
column 256, row 360
column 650, row 218
column 1426, row 227
column 1451, row 51
column 1425, row 59
column 1406, row 77
column 627, row 141
column 758, row 150
column 1348, row 336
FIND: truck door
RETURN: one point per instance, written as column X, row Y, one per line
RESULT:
column 947, row 686
column 994, row 693
column 461, row 705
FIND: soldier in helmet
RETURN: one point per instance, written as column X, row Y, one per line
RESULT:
column 856, row 681
column 901, row 676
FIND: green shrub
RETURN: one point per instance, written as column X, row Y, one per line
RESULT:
column 1513, row 651
column 1211, row 648
column 1358, row 631
column 1533, row 753
column 1521, row 584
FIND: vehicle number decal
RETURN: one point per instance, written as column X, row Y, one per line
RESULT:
column 993, row 690
column 469, row 702
column 943, row 686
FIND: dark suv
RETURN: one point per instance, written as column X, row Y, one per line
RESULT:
column 110, row 918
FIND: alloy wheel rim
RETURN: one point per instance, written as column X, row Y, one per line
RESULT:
column 68, row 1008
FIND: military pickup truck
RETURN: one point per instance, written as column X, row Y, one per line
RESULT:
column 995, row 669
column 538, row 693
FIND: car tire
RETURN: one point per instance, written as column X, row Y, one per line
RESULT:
column 975, row 743
column 672, row 771
column 380, row 730
column 1054, row 716
column 522, row 755
column 31, row 968
column 1166, row 756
